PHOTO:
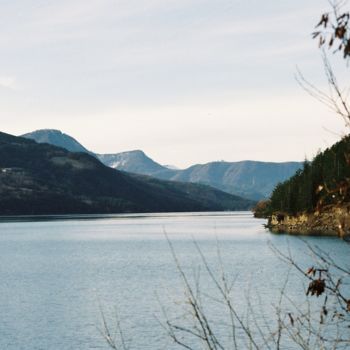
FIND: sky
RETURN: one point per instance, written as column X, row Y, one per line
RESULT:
column 186, row 81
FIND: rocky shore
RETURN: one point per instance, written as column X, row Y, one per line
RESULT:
column 331, row 221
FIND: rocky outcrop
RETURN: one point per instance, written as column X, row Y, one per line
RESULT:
column 331, row 221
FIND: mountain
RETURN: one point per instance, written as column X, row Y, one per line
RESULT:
column 56, row 138
column 249, row 179
column 45, row 179
column 132, row 161
column 171, row 167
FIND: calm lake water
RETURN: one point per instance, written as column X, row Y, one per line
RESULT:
column 56, row 274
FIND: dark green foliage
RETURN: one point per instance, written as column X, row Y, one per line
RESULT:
column 324, row 181
column 261, row 210
column 45, row 179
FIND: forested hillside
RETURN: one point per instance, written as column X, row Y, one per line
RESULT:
column 44, row 179
column 324, row 181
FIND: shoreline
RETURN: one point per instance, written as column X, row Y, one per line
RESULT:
column 331, row 221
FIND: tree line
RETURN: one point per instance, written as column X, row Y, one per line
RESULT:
column 320, row 183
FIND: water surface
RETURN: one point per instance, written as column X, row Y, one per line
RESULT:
column 56, row 271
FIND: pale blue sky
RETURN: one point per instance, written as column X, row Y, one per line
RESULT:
column 187, row 81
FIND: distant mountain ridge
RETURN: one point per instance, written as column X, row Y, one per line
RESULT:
column 39, row 178
column 56, row 138
column 249, row 179
column 132, row 161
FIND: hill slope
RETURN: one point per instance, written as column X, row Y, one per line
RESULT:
column 56, row 138
column 316, row 200
column 324, row 181
column 45, row 179
column 133, row 161
column 249, row 179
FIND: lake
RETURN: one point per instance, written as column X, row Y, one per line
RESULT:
column 57, row 273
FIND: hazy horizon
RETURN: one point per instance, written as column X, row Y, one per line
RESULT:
column 185, row 81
